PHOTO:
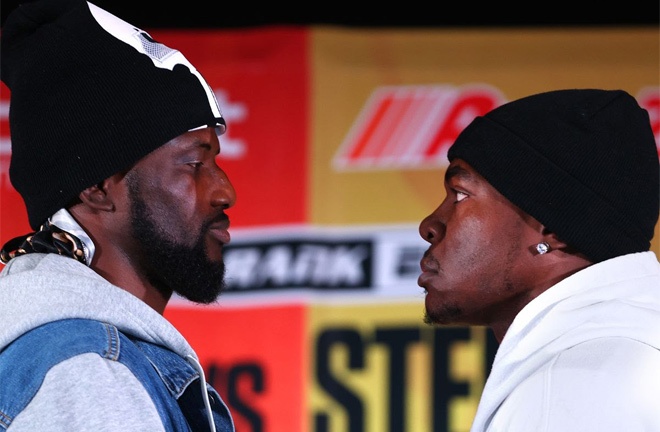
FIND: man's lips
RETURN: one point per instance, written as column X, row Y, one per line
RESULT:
column 427, row 273
column 428, row 265
column 219, row 231
column 423, row 279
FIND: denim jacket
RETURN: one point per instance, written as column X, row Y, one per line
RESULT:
column 171, row 381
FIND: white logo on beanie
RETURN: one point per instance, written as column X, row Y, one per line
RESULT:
column 161, row 55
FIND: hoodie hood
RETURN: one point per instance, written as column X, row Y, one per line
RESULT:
column 40, row 288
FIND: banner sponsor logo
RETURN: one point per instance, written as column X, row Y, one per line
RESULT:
column 233, row 112
column 5, row 143
column 370, row 261
column 649, row 99
column 290, row 263
column 411, row 127
column 380, row 368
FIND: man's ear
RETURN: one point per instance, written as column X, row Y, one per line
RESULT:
column 558, row 244
column 555, row 242
column 101, row 196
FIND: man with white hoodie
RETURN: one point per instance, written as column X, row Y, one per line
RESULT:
column 544, row 236
column 114, row 144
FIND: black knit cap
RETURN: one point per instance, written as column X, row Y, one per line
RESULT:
column 90, row 96
column 583, row 162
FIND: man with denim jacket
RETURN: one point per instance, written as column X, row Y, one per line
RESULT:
column 114, row 144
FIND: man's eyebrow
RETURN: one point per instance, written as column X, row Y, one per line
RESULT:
column 203, row 144
column 456, row 171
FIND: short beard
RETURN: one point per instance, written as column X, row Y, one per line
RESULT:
column 170, row 266
column 449, row 315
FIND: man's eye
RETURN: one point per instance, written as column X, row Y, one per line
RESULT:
column 195, row 164
column 460, row 196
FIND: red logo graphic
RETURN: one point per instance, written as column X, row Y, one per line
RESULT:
column 412, row 126
column 649, row 99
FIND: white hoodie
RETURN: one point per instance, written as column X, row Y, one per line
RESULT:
column 584, row 356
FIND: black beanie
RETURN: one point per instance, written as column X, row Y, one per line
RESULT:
column 90, row 96
column 583, row 162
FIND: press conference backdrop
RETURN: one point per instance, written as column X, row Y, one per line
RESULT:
column 336, row 146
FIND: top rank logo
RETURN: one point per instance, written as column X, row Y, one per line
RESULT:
column 412, row 126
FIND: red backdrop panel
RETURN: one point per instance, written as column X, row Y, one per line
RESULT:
column 255, row 357
column 261, row 78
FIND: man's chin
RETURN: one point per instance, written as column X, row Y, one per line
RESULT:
column 204, row 298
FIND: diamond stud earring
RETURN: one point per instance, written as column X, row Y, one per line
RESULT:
column 542, row 248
